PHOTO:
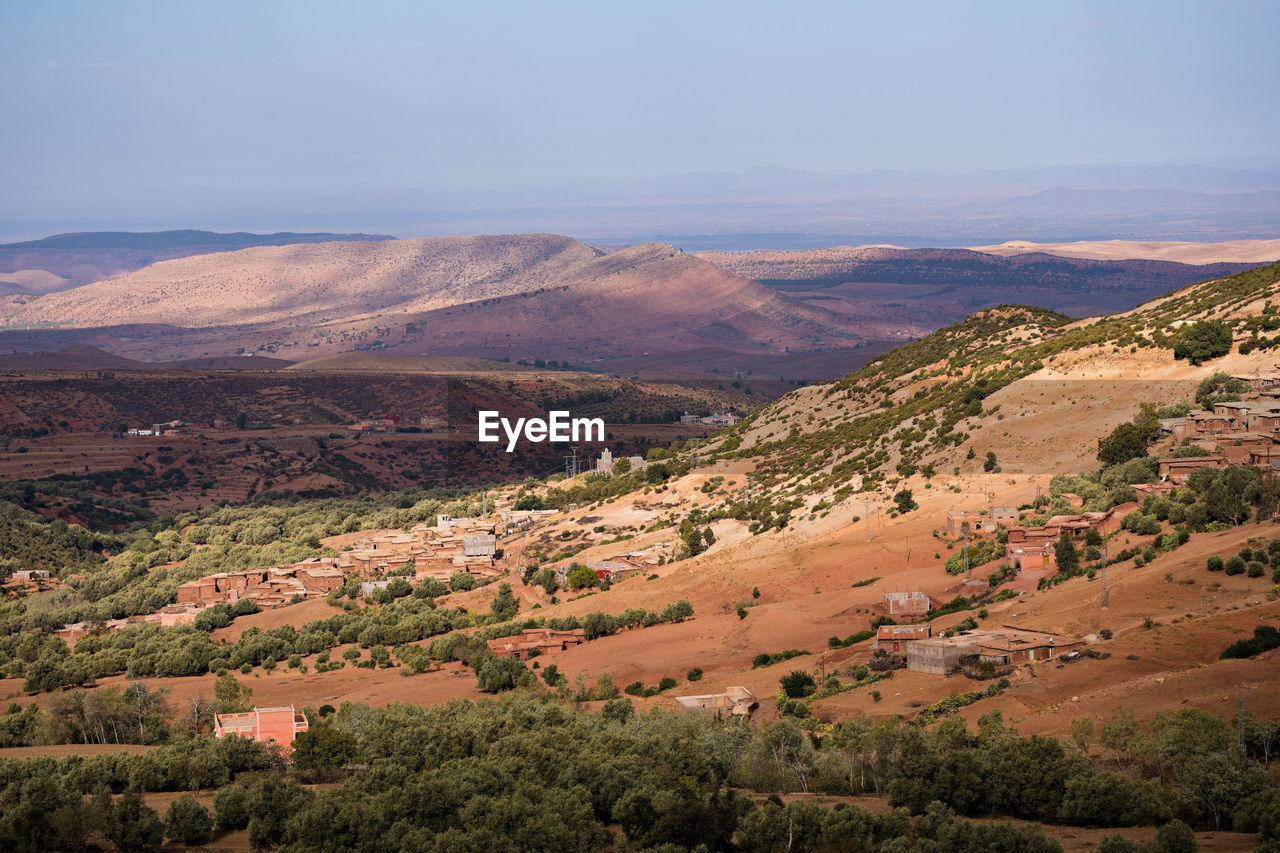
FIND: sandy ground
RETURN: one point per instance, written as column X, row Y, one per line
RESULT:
column 1229, row 251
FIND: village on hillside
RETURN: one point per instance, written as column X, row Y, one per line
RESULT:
column 1232, row 433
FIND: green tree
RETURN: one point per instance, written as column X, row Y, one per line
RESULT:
column 134, row 827
column 429, row 588
column 461, row 582
column 1125, row 442
column 619, row 709
column 989, row 464
column 1176, row 837
column 1202, row 341
column 231, row 694
column 905, row 502
column 498, row 674
column 1218, row 388
column 188, row 822
column 231, row 807
column 798, row 684
column 529, row 502
column 582, row 577
column 1064, row 551
column 504, row 605
column 324, row 746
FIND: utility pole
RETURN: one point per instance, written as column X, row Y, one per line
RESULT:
column 1104, row 601
column 867, row 506
column 908, row 544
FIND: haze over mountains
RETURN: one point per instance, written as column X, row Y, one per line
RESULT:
column 771, row 207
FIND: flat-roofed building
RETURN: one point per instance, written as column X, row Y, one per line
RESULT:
column 265, row 725
column 734, row 702
column 896, row 638
column 942, row 655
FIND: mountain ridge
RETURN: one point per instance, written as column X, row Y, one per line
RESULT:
column 63, row 261
column 449, row 295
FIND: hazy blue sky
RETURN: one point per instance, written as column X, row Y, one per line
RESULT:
column 179, row 108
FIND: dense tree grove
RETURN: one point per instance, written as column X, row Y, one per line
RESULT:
column 530, row 772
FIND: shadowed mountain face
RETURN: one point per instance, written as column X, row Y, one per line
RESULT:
column 1033, row 270
column 69, row 260
column 928, row 288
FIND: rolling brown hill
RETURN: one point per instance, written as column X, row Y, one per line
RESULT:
column 69, row 260
column 493, row 297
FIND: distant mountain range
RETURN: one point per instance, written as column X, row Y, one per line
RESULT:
column 638, row 310
column 494, row 297
column 70, row 260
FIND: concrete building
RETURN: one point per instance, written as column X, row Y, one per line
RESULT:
column 938, row 655
column 733, row 702
column 30, row 575
column 265, row 725
column 959, row 522
column 369, row 587
column 1007, row 646
column 906, row 603
column 1004, row 515
column 1016, row 647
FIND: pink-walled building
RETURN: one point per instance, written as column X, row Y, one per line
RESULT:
column 265, row 725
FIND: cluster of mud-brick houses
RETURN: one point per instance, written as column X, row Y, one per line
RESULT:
column 536, row 641
column 167, row 617
column 270, row 587
column 1245, row 433
column 1005, row 646
column 1032, row 548
column 451, row 546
